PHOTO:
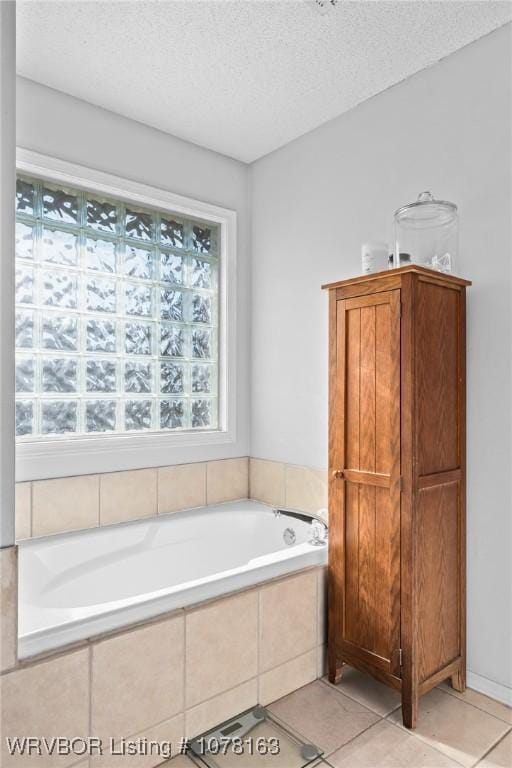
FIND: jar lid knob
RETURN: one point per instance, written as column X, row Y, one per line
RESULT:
column 425, row 197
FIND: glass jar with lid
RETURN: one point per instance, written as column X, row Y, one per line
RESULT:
column 426, row 233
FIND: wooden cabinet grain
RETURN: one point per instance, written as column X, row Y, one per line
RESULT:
column 397, row 480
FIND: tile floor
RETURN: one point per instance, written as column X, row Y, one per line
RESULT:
column 358, row 724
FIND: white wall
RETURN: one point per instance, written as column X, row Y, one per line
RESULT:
column 7, row 191
column 55, row 124
column 447, row 129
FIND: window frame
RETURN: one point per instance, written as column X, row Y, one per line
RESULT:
column 84, row 454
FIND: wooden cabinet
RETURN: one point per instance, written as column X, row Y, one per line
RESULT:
column 397, row 480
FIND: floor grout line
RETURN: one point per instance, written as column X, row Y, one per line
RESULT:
column 493, row 747
column 448, row 693
column 411, row 732
column 324, row 759
column 353, row 738
column 286, row 726
column 385, row 718
column 300, row 735
column 333, row 687
column 475, row 706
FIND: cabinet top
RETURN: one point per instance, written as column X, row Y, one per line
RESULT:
column 415, row 268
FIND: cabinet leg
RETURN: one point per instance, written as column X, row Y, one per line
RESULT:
column 335, row 668
column 409, row 709
column 458, row 680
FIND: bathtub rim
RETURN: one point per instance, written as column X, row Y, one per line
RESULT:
column 53, row 640
column 31, row 541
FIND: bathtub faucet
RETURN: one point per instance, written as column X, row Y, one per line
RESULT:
column 318, row 527
column 318, row 532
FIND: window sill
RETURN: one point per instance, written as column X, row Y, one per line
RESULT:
column 82, row 456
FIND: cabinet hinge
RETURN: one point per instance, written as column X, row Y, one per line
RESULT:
column 400, row 310
column 399, row 657
column 400, row 484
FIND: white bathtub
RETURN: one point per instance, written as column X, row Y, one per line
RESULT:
column 73, row 586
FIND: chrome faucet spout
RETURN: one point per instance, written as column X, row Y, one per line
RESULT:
column 318, row 532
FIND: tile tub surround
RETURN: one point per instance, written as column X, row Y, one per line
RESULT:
column 181, row 487
column 65, row 504
column 8, row 607
column 46, row 699
column 23, row 507
column 181, row 674
column 70, row 503
column 144, row 670
column 145, row 682
column 288, row 485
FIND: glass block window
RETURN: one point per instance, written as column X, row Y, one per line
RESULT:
column 116, row 316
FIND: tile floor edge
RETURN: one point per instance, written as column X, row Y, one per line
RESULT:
column 496, row 744
column 452, row 693
column 336, row 688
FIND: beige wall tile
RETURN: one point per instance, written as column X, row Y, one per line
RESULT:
column 221, row 646
column 288, row 619
column 322, row 607
column 266, row 481
column 167, row 733
column 220, row 708
column 23, row 511
column 321, row 656
column 65, row 504
column 227, row 480
column 181, row 487
column 47, row 699
column 288, row 677
column 127, row 495
column 306, row 489
column 137, row 679
column 8, row 606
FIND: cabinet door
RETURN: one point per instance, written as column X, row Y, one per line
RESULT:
column 365, row 484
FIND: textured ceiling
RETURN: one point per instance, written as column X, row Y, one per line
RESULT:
column 242, row 77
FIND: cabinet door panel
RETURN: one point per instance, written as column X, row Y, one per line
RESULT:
column 438, row 575
column 438, row 379
column 368, row 376
column 385, row 392
column 367, row 562
column 352, row 353
column 368, row 448
column 387, row 572
column 351, row 629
